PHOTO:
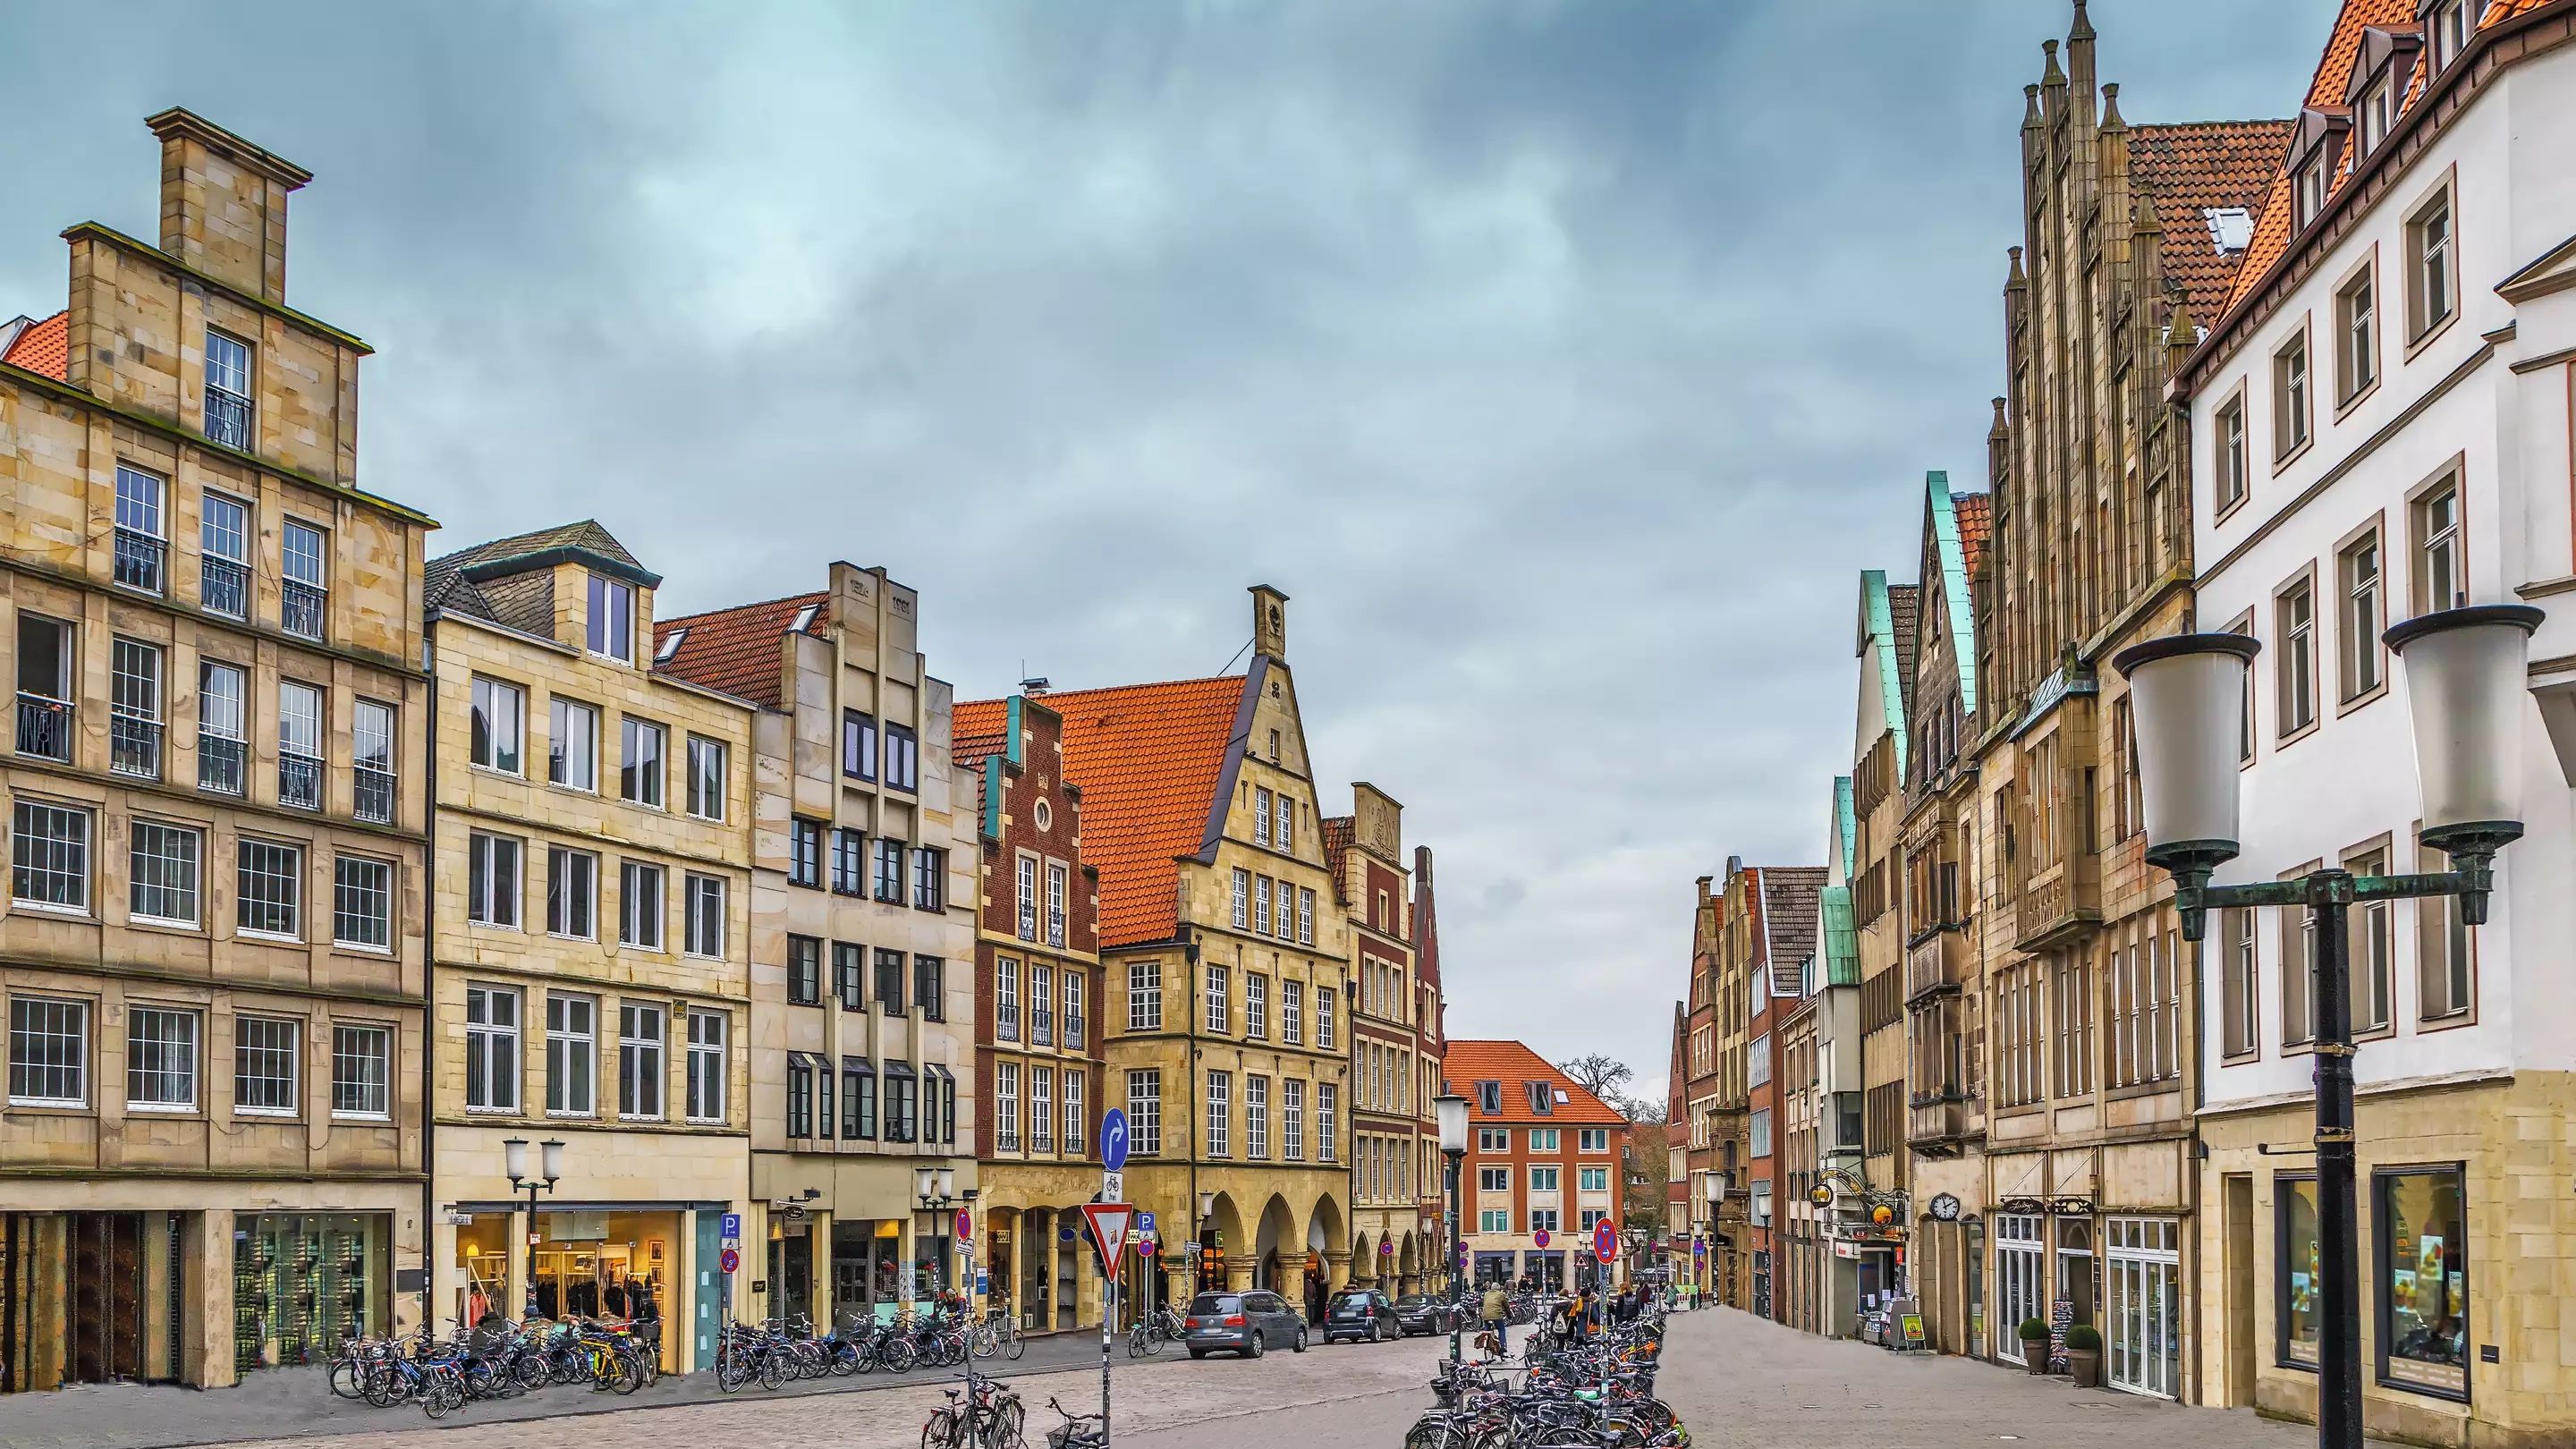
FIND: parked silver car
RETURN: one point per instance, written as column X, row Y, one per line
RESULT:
column 1246, row 1323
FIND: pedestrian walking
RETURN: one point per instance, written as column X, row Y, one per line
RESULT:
column 1498, row 1313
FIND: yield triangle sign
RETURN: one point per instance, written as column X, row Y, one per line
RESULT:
column 1109, row 1222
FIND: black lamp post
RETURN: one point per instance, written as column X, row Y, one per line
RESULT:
column 1450, row 1110
column 2465, row 669
column 514, row 1162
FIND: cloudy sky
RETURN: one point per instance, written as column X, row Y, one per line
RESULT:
column 1563, row 361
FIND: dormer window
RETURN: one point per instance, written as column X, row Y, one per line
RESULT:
column 2450, row 23
column 612, row 618
column 804, row 619
column 670, row 646
column 1489, row 1098
column 2308, row 190
column 2378, row 110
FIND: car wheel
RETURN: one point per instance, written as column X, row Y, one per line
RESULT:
column 1373, row 1331
column 1301, row 1338
column 1255, row 1349
column 1198, row 1353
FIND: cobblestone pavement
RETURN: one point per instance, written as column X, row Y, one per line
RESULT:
column 1734, row 1380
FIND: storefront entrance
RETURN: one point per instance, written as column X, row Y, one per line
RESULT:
column 302, row 1282
column 867, row 1269
column 2142, row 1342
column 2018, row 1280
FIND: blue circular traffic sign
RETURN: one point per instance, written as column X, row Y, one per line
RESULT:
column 1605, row 1241
column 1113, row 1139
column 731, row 1260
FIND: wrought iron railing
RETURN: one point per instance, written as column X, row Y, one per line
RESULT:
column 139, row 557
column 373, row 795
column 219, row 764
column 224, row 588
column 134, row 745
column 44, row 727
column 228, row 419
column 299, row 781
column 300, row 609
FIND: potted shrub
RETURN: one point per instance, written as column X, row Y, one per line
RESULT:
column 2034, row 1345
column 2084, row 1355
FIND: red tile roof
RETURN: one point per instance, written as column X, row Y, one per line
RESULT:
column 44, row 347
column 1976, row 515
column 1338, row 834
column 1514, row 1065
column 736, row 650
column 2192, row 169
column 978, row 730
column 1149, row 759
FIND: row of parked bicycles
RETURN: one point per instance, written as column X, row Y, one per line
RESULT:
column 496, row 1360
column 777, row 1352
column 1579, row 1391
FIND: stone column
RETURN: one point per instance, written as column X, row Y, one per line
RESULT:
column 209, row 1254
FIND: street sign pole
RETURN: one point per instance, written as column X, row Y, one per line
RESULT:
column 1113, row 1188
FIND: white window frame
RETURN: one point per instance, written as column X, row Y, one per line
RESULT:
column 497, row 1045
column 63, row 1020
column 642, row 929
column 708, row 1084
column 149, row 1028
column 376, row 1085
column 501, row 746
column 572, row 1055
column 143, row 865
column 256, row 1049
column 256, row 861
column 610, row 615
column 344, row 893
column 572, row 744
column 648, row 1048
column 496, row 904
column 705, row 929
column 67, row 872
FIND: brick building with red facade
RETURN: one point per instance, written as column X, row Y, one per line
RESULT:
column 1542, row 1166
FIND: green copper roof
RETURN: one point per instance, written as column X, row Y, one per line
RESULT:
column 1891, row 678
column 1846, row 825
column 1954, row 587
column 1842, row 942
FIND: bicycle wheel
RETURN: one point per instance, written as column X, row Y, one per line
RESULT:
column 621, row 1376
column 982, row 1342
column 898, row 1356
column 940, row 1432
column 1013, row 1344
column 731, row 1371
column 1009, row 1419
column 440, row 1398
column 348, row 1378
column 772, row 1371
column 1155, row 1338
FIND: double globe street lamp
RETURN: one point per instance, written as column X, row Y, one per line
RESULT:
column 1451, row 1111
column 514, row 1165
column 2465, row 672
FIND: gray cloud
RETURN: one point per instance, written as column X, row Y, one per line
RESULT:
column 1563, row 360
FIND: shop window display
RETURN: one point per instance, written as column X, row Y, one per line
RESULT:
column 2423, row 1280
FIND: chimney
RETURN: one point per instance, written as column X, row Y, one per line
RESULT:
column 1269, row 622
column 1734, row 866
column 223, row 203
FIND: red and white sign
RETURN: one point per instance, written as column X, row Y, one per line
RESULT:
column 1144, row 1246
column 965, row 1226
column 1539, row 1238
column 1109, row 1223
column 1605, row 1241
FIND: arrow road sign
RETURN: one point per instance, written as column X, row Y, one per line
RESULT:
column 1109, row 1222
column 1113, row 1140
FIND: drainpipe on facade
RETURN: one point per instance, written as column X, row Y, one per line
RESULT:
column 429, row 996
column 1189, row 1092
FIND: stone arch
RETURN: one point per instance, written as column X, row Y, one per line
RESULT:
column 1278, row 1259
column 1408, row 1263
column 1227, row 1218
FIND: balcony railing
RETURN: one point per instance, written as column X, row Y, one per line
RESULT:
column 44, row 727
column 1042, row 1027
column 1006, row 1023
column 373, row 797
column 2059, row 903
column 139, row 557
column 1936, row 1120
column 300, row 609
column 299, row 781
column 134, row 745
column 224, row 588
column 219, row 764
column 1073, row 1031
column 228, row 419
column 1927, row 966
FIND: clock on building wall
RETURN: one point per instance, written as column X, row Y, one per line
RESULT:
column 1946, row 1207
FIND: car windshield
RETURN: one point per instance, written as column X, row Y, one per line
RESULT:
column 1352, row 1300
column 1210, row 1305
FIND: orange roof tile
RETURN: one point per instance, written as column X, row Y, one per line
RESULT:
column 1976, row 515
column 44, row 347
column 2191, row 170
column 735, row 650
column 1514, row 1065
column 2500, row 11
column 977, row 731
column 1149, row 759
column 1338, row 832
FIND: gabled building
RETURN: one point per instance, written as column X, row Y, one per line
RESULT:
column 1821, row 1090
column 1542, row 1167
column 1882, row 750
column 1710, row 1152
column 593, row 981
column 1395, row 1063
column 862, row 922
column 212, row 950
column 1039, row 1057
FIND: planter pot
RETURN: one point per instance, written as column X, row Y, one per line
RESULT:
column 2086, row 1365
column 2034, row 1353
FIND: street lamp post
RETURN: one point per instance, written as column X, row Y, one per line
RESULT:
column 1714, row 1185
column 2464, row 678
column 1207, row 1240
column 936, row 1187
column 1451, row 1112
column 514, row 1162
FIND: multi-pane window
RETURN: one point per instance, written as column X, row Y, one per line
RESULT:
column 142, row 546
column 134, row 709
column 362, row 903
column 1220, row 999
column 890, row 992
column 849, row 861
column 2071, row 994
column 1074, row 1021
column 1292, row 1119
column 496, row 721
column 1261, row 906
column 299, row 745
column 2371, row 950
column 1220, row 1114
column 639, row 1059
column 1292, row 1012
column 163, row 866
column 1256, row 1117
column 706, row 778
column 371, row 738
column 889, row 887
column 2232, row 470
column 2441, row 564
column 572, row 1054
column 46, row 657
column 223, row 695
column 1042, row 1109
column 160, row 1059
column 268, row 1063
column 2290, row 397
column 2298, row 956
column 611, row 624
column 303, row 583
column 1256, row 1006
column 1024, row 886
column 1006, row 1106
column 492, row 880
column 639, row 761
column 805, row 852
column 2357, row 335
column 1283, row 925
column 572, row 749
column 639, row 905
column 1324, row 1017
column 1242, row 900
column 1260, row 817
column 223, row 547
column 2295, row 621
column 850, row 975
column 48, row 1052
column 228, row 404
column 1305, row 916
column 1076, row 1130
column 362, row 1071
column 268, row 889
column 2238, row 983
column 1283, row 832
column 800, row 1095
column 2431, row 282
column 902, row 758
column 2443, row 983
column 1327, row 1099
column 858, row 745
column 703, row 902
column 804, row 971
column 929, row 879
column 1055, row 894
column 1145, row 1112
column 1041, row 1004
column 858, row 1100
column 491, row 1049
column 706, row 1091
column 572, row 893
column 2357, row 644
column 929, row 991
column 1144, row 996
column 1006, row 1000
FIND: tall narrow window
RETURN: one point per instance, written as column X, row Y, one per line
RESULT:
column 1261, row 906
column 1220, row 1114
column 1242, row 900
column 930, row 879
column 491, row 1049
column 929, row 987
column 2444, row 984
column 299, row 745
column 612, row 619
column 858, row 745
column 639, row 1060
column 268, row 890
column 304, row 580
column 639, row 905
column 495, row 724
column 889, row 882
column 1145, row 996
column 2358, row 647
column 1260, row 817
column 1327, row 1097
column 142, row 544
column 1145, row 1112
column 223, row 694
column 134, row 709
column 1305, row 916
column 1041, row 1004
column 2295, row 622
column 1256, row 1117
column 572, row 893
column 1024, row 898
column 492, row 880
column 2357, row 324
column 2298, row 975
column 371, row 741
column 849, row 861
column 1006, row 1106
column 2431, row 284
column 1006, row 1000
column 639, row 769
column 707, row 1080
column 850, row 975
column 890, row 987
column 1055, row 893
column 703, row 925
column 2441, row 564
column 223, row 552
column 1292, row 1120
column 1076, row 1024
column 805, row 853
column 1324, row 1017
column 1219, row 999
column 228, row 404
column 706, row 778
column 902, row 758
column 572, row 750
column 2290, row 397
column 2232, row 472
column 46, row 658
column 572, row 1054
column 2371, row 950
column 800, row 1095
column 1256, row 1006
